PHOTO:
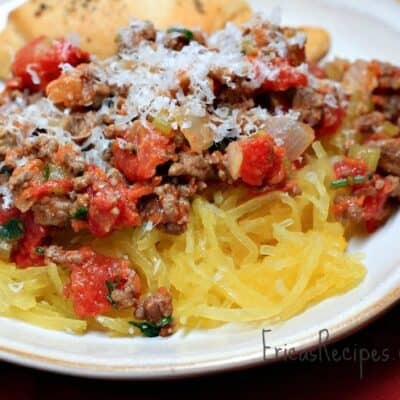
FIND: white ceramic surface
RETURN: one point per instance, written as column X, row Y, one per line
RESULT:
column 360, row 28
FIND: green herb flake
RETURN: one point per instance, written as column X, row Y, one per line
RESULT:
column 12, row 229
column 81, row 213
column 39, row 250
column 183, row 31
column 6, row 170
column 165, row 321
column 339, row 183
column 358, row 179
column 147, row 328
column 350, row 181
column 47, row 172
column 150, row 329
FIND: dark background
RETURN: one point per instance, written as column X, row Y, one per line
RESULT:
column 297, row 380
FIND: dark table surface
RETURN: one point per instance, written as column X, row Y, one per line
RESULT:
column 320, row 379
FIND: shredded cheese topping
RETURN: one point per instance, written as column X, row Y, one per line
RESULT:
column 158, row 81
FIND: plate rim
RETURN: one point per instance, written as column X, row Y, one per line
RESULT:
column 337, row 331
column 192, row 369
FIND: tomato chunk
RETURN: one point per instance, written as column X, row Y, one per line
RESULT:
column 262, row 161
column 350, row 167
column 88, row 286
column 331, row 120
column 150, row 149
column 287, row 77
column 113, row 206
column 56, row 187
column 38, row 63
column 25, row 254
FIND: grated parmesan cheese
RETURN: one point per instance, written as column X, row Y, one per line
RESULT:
column 6, row 195
column 33, row 74
column 66, row 68
column 98, row 145
column 298, row 39
column 150, row 73
column 148, row 226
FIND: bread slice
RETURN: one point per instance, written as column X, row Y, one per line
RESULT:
column 318, row 42
column 10, row 41
column 97, row 22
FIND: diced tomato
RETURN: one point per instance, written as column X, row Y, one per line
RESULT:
column 125, row 161
column 56, row 187
column 150, row 150
column 299, row 163
column 38, row 63
column 287, row 77
column 25, row 254
column 331, row 120
column 262, row 161
column 108, row 210
column 350, row 167
column 113, row 206
column 88, row 286
column 375, row 137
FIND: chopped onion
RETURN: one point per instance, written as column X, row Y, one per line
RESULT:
column 294, row 135
column 359, row 78
column 235, row 159
column 198, row 134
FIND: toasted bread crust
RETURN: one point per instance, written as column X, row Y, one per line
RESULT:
column 318, row 43
column 10, row 41
column 97, row 22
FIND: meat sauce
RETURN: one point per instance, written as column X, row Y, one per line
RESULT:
column 132, row 140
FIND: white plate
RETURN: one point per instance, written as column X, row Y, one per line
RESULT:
column 360, row 29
